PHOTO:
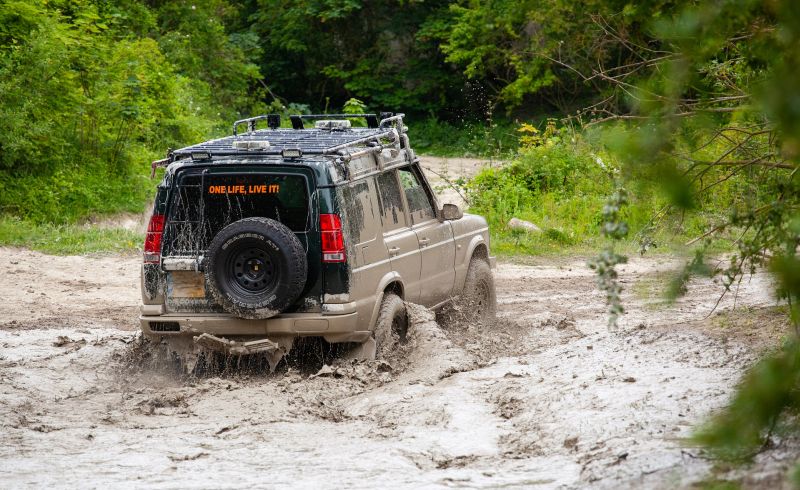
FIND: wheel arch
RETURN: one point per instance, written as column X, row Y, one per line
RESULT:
column 479, row 251
column 477, row 247
column 392, row 282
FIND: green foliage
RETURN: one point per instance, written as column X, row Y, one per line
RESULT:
column 432, row 136
column 355, row 106
column 711, row 123
column 460, row 59
column 558, row 184
column 540, row 48
column 67, row 239
column 615, row 229
column 557, row 168
column 196, row 40
column 85, row 102
column 376, row 51
column 74, row 191
column 562, row 181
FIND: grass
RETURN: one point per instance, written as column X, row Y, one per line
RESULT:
column 470, row 139
column 717, row 484
column 553, row 242
column 70, row 239
column 561, row 184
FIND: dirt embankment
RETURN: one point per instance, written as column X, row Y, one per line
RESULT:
column 548, row 397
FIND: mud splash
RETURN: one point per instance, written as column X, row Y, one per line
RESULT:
column 548, row 397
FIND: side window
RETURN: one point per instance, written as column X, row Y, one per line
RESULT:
column 419, row 204
column 391, row 200
column 362, row 222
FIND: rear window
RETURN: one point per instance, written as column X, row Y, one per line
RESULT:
column 203, row 204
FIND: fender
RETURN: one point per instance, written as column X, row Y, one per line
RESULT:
column 461, row 268
column 389, row 278
column 473, row 244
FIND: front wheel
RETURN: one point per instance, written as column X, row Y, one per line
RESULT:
column 478, row 300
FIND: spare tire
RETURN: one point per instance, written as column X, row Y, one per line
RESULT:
column 255, row 268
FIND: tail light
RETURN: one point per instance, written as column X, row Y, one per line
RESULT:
column 330, row 226
column 152, row 240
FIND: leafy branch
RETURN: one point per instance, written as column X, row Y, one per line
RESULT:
column 615, row 229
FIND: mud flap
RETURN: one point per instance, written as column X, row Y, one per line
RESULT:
column 365, row 351
column 185, row 350
column 274, row 351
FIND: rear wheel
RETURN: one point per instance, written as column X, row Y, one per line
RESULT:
column 392, row 325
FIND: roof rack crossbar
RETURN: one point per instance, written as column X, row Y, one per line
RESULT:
column 331, row 116
column 273, row 122
column 398, row 118
column 372, row 119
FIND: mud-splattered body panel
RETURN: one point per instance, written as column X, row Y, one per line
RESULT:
column 393, row 233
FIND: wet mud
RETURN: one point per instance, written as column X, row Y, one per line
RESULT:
column 548, row 397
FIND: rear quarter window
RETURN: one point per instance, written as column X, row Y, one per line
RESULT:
column 391, row 204
column 363, row 223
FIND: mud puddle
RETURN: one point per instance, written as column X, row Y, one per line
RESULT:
column 549, row 397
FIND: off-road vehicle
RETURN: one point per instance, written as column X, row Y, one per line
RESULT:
column 272, row 234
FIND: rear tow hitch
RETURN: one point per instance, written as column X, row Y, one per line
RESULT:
column 274, row 351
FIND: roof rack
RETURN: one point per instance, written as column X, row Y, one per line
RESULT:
column 297, row 141
column 371, row 119
column 274, row 120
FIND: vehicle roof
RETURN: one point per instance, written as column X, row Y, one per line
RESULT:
column 318, row 147
column 309, row 141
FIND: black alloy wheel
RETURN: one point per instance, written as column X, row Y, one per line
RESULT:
column 251, row 269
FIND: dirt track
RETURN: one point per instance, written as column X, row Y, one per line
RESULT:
column 551, row 398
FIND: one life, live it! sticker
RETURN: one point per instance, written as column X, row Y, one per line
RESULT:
column 244, row 189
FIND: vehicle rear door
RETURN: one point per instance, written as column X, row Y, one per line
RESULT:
column 401, row 241
column 435, row 238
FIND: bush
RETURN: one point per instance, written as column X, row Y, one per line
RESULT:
column 469, row 139
column 560, row 181
column 558, row 185
column 85, row 105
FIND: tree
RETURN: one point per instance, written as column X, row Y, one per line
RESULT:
column 716, row 106
column 324, row 53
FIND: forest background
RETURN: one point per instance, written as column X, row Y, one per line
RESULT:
column 614, row 125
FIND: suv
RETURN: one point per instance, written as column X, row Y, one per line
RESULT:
column 276, row 233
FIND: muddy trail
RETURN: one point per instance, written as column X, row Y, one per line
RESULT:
column 548, row 397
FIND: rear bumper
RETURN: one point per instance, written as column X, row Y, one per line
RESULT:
column 335, row 328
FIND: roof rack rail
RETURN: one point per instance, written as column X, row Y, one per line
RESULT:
column 374, row 121
column 389, row 129
column 297, row 119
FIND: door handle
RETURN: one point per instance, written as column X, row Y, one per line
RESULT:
column 424, row 242
column 394, row 251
